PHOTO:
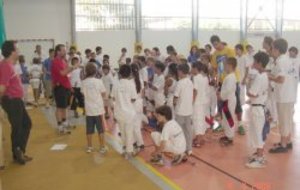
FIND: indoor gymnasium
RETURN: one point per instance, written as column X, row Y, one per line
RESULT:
column 149, row 94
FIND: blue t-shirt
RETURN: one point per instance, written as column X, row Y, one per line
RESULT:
column 192, row 58
column 25, row 74
column 47, row 65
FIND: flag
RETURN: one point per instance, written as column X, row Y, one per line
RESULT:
column 2, row 25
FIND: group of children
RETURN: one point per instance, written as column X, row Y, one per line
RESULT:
column 182, row 99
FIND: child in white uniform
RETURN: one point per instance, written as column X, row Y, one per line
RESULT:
column 205, row 59
column 258, row 94
column 171, row 140
column 138, row 105
column 94, row 92
column 183, row 103
column 124, row 94
column 227, row 95
column 107, row 79
column 170, row 86
column 293, row 54
column 158, row 84
column 284, row 79
column 35, row 72
column 271, row 102
column 201, row 102
column 78, row 99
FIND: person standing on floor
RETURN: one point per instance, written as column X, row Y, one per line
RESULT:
column 125, row 95
column 283, row 76
column 94, row 93
column 61, row 87
column 11, row 96
column 183, row 103
column 47, row 76
column 258, row 94
column 227, row 96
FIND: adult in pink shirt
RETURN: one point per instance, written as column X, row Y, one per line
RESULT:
column 61, row 87
column 11, row 96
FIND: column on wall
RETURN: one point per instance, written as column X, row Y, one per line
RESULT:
column 138, row 46
column 2, row 24
column 195, row 22
column 73, row 22
column 279, row 18
column 243, row 21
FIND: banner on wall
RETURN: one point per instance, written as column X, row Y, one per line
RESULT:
column 2, row 25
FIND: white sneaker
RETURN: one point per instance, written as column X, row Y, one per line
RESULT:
column 127, row 156
column 103, row 150
column 189, row 153
column 63, row 131
column 257, row 163
column 89, row 149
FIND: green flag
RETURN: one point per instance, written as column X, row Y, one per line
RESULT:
column 2, row 27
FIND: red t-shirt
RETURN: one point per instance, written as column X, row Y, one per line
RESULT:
column 58, row 65
column 11, row 80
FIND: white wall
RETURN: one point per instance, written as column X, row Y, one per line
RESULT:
column 34, row 19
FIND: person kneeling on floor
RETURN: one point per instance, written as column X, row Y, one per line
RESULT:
column 170, row 141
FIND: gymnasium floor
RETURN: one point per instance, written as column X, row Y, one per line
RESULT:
column 211, row 167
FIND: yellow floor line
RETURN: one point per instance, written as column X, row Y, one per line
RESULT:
column 151, row 168
column 160, row 175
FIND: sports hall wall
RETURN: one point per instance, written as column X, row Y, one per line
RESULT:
column 32, row 19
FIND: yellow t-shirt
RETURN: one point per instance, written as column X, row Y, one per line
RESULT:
column 218, row 59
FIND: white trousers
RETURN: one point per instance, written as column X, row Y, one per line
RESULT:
column 213, row 101
column 285, row 118
column 271, row 105
column 127, row 135
column 229, row 131
column 242, row 94
column 200, row 112
column 257, row 122
column 138, row 122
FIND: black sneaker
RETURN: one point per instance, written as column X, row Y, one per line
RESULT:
column 19, row 157
column 278, row 149
column 288, row 146
column 157, row 160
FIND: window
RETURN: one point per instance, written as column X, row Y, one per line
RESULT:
column 92, row 15
column 261, row 15
column 216, row 14
column 166, row 14
column 291, row 15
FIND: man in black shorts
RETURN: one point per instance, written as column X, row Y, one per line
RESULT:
column 61, row 87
